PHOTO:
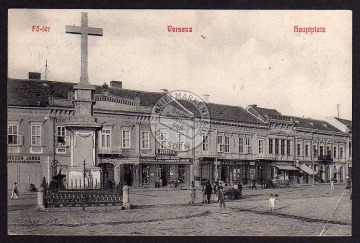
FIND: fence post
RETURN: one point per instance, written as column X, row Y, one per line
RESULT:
column 126, row 201
column 40, row 199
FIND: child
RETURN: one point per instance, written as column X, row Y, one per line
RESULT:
column 192, row 192
column 272, row 203
column 221, row 198
column 332, row 185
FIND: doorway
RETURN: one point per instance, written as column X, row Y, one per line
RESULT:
column 107, row 178
column 164, row 175
column 128, row 174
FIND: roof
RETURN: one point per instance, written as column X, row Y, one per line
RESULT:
column 35, row 93
column 345, row 122
column 265, row 111
column 308, row 123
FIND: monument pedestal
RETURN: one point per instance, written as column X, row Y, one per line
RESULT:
column 75, row 177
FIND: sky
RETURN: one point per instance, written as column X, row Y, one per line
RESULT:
column 237, row 57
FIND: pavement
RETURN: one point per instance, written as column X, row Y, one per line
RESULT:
column 300, row 211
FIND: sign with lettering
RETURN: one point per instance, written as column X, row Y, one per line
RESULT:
column 165, row 152
column 23, row 159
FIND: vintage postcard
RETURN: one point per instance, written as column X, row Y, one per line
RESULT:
column 179, row 122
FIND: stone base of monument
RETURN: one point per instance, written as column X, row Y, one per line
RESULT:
column 75, row 178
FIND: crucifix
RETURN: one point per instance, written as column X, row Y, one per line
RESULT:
column 84, row 31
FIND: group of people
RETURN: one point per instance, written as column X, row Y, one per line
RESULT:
column 207, row 190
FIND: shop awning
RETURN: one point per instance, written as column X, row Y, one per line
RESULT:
column 285, row 167
column 308, row 170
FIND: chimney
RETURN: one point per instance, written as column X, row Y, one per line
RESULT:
column 205, row 97
column 34, row 75
column 116, row 84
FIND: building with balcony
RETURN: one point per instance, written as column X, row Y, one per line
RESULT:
column 242, row 144
column 317, row 147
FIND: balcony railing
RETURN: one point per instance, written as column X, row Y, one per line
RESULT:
column 325, row 158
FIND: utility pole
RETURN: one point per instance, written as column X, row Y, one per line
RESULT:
column 338, row 110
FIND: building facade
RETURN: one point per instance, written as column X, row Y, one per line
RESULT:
column 241, row 145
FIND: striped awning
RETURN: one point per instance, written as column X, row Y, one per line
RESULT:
column 285, row 167
column 307, row 169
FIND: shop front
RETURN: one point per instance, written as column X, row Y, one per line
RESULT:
column 285, row 171
column 163, row 171
column 234, row 171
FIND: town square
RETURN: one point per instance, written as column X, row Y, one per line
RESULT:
column 138, row 130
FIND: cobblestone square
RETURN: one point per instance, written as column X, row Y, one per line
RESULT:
column 300, row 211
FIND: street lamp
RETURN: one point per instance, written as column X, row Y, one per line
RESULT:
column 261, row 175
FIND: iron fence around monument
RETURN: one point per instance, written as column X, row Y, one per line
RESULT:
column 83, row 198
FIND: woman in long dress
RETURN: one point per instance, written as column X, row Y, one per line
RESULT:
column 14, row 193
column 192, row 192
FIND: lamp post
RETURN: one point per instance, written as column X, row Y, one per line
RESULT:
column 261, row 175
column 84, row 184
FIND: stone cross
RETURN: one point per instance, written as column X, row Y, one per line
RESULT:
column 84, row 31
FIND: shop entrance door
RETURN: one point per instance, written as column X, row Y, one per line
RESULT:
column 165, row 174
column 128, row 175
column 108, row 181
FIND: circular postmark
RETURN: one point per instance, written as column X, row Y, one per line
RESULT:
column 180, row 121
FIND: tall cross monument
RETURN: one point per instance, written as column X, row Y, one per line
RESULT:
column 83, row 125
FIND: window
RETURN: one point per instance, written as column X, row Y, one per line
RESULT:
column 288, row 147
column 341, row 152
column 271, row 145
column 227, row 144
column 105, row 138
column 241, row 145
column 13, row 132
column 282, row 146
column 349, row 149
column 321, row 150
column 315, row 151
column 220, row 143
column 298, row 153
column 145, row 140
column 125, row 138
column 261, row 146
column 60, row 135
column 35, row 135
column 328, row 151
column 276, row 146
column 181, row 141
column 248, row 146
column 335, row 155
column 205, row 144
column 163, row 139
column 306, row 149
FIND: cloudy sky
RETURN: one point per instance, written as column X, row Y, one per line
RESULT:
column 237, row 57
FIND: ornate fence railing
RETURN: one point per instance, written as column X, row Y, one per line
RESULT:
column 95, row 197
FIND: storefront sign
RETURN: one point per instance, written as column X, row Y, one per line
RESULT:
column 169, row 159
column 166, row 152
column 23, row 159
column 252, row 163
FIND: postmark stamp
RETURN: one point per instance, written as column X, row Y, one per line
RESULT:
column 180, row 120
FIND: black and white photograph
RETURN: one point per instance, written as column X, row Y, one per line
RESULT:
column 154, row 122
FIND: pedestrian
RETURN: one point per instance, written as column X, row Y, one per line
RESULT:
column 253, row 186
column 215, row 191
column 14, row 192
column 221, row 198
column 272, row 203
column 332, row 185
column 203, row 193
column 192, row 192
column 208, row 191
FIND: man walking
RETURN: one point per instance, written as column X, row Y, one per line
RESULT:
column 208, row 191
